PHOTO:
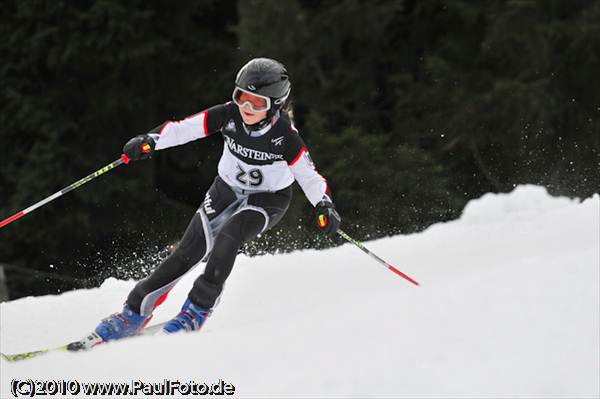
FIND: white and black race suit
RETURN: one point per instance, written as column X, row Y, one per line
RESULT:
column 251, row 194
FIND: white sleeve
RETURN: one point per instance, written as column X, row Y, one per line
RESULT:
column 175, row 133
column 312, row 183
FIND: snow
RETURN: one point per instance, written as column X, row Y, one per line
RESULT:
column 508, row 306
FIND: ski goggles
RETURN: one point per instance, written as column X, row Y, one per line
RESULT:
column 256, row 102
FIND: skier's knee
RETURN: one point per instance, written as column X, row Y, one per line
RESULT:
column 192, row 246
column 245, row 225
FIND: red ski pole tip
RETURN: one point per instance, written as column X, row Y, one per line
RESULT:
column 11, row 219
column 398, row 272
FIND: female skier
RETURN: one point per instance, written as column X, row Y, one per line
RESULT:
column 262, row 156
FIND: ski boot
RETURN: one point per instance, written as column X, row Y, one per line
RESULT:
column 190, row 318
column 121, row 325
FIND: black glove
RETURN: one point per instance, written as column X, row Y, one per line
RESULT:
column 139, row 147
column 328, row 220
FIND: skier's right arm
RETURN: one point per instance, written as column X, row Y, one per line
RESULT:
column 173, row 133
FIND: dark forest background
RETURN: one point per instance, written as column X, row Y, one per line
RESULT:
column 410, row 108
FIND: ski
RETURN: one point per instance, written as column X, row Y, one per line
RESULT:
column 86, row 343
column 28, row 355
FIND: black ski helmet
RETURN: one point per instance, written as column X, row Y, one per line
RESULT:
column 266, row 77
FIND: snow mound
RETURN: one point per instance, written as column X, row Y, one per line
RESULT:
column 509, row 307
column 524, row 201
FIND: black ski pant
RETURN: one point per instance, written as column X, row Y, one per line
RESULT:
column 227, row 218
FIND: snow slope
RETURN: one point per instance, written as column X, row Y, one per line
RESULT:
column 509, row 307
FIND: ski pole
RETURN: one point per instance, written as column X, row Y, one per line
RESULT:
column 114, row 164
column 377, row 258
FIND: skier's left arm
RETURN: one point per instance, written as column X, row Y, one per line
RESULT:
column 314, row 185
